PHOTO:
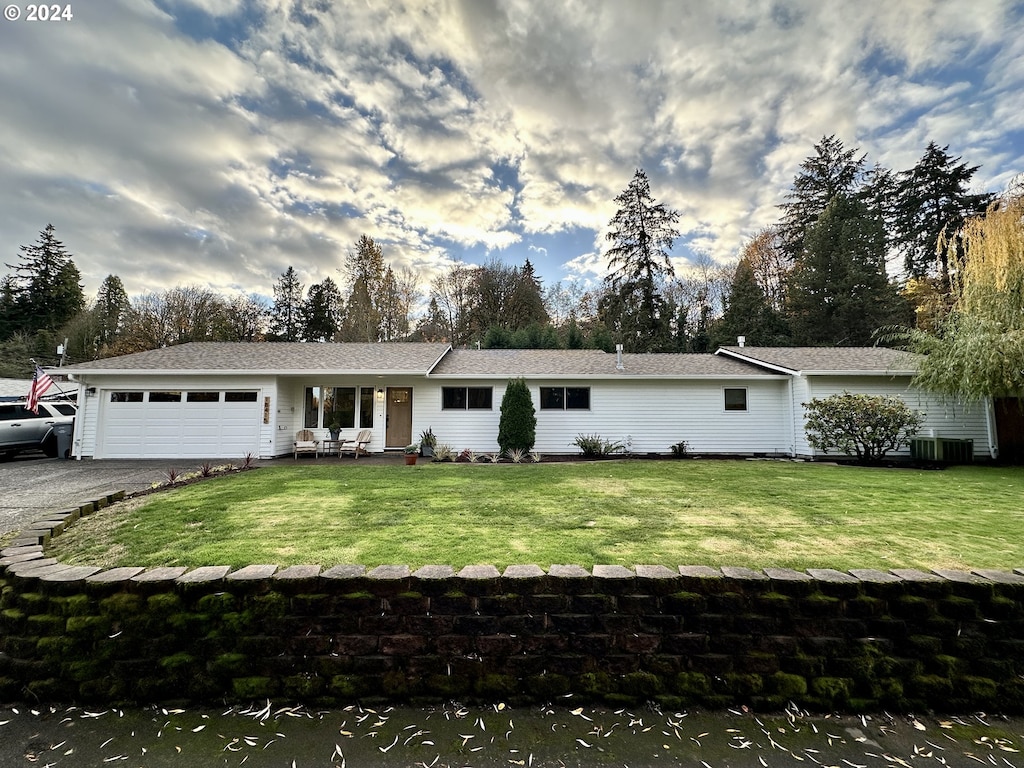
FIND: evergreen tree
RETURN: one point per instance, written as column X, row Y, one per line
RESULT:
column 364, row 270
column 642, row 233
column 526, row 304
column 286, row 314
column 573, row 335
column 110, row 311
column 601, row 338
column 321, row 311
column 838, row 291
column 833, row 170
column 497, row 337
column 394, row 312
column 748, row 313
column 933, row 197
column 16, row 353
column 9, row 320
column 517, row 426
column 47, row 286
column 432, row 327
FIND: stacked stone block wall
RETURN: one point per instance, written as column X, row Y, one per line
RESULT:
column 687, row 636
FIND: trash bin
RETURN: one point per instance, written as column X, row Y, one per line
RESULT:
column 63, row 433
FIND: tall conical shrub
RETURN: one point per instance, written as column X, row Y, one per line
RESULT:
column 517, row 429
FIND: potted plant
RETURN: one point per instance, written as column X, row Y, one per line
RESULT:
column 427, row 443
column 411, row 451
column 334, row 427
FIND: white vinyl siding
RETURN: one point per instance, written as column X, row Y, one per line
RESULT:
column 648, row 415
column 953, row 420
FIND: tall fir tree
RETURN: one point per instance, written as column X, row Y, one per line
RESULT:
column 94, row 331
column 838, row 293
column 111, row 310
column 526, row 305
column 47, row 286
column 394, row 314
column 833, row 170
column 642, row 233
column 933, row 197
column 286, row 314
column 364, row 271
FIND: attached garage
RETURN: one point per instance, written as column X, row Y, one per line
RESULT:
column 188, row 424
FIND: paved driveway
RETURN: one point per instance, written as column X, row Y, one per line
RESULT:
column 31, row 486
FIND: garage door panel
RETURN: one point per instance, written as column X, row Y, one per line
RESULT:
column 180, row 429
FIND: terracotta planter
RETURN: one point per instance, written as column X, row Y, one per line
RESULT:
column 410, row 458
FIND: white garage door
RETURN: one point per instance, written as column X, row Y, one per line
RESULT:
column 187, row 424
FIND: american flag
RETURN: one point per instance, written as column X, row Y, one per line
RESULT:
column 41, row 382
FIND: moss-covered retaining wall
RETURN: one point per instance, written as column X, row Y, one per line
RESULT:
column 826, row 640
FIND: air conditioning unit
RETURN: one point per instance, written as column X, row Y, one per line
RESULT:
column 942, row 449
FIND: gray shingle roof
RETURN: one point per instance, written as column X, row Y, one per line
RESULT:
column 274, row 357
column 568, row 363
column 422, row 359
column 811, row 360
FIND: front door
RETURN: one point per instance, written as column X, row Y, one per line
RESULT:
column 399, row 417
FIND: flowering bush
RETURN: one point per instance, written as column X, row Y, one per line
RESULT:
column 865, row 426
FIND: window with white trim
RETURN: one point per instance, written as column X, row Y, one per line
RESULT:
column 467, row 398
column 735, row 398
column 565, row 398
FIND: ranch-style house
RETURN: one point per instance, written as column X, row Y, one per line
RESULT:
column 209, row 400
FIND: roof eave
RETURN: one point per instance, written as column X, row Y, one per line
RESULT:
column 245, row 372
column 754, row 361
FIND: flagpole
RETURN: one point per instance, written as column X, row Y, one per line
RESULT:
column 66, row 395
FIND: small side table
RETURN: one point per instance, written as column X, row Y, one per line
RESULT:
column 331, row 446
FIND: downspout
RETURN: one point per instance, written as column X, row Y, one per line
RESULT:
column 991, row 430
column 792, row 417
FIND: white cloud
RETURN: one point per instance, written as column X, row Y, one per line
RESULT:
column 476, row 125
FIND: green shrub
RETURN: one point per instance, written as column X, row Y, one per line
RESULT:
column 517, row 428
column 595, row 445
column 865, row 426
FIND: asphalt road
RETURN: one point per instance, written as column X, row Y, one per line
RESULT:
column 32, row 486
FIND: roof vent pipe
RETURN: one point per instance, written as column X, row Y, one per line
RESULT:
column 741, row 341
column 618, row 358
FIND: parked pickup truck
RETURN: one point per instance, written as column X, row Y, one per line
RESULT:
column 22, row 430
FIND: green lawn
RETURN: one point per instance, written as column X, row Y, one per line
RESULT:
column 755, row 514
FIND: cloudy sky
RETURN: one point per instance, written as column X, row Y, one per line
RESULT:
column 217, row 142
